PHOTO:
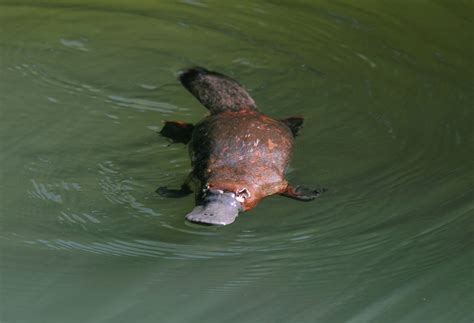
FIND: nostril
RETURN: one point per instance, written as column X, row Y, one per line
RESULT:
column 243, row 193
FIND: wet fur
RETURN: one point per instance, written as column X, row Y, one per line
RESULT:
column 216, row 91
column 235, row 149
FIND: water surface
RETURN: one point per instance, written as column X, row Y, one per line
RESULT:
column 386, row 89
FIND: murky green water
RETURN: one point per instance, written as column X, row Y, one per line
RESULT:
column 386, row 88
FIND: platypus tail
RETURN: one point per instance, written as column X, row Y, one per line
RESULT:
column 216, row 91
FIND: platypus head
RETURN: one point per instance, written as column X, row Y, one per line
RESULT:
column 217, row 207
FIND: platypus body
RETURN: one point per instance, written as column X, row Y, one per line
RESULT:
column 238, row 154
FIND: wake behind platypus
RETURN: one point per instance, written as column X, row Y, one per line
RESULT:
column 238, row 154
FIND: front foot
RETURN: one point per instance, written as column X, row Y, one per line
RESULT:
column 167, row 192
column 302, row 193
column 177, row 131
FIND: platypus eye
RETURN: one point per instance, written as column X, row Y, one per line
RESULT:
column 243, row 194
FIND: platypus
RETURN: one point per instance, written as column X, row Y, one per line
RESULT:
column 238, row 154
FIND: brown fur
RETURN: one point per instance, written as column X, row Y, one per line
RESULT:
column 216, row 91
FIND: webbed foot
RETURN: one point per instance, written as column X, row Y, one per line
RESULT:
column 294, row 123
column 303, row 193
column 167, row 192
column 177, row 131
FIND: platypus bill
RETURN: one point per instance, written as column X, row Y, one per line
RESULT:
column 238, row 154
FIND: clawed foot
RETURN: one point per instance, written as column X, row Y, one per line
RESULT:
column 177, row 131
column 166, row 192
column 302, row 193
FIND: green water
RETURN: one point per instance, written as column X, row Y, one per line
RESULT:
column 386, row 89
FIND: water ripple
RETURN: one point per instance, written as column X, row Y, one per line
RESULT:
column 44, row 191
column 118, row 190
column 139, row 248
column 142, row 104
column 74, row 44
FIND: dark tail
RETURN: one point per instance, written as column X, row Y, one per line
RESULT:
column 216, row 91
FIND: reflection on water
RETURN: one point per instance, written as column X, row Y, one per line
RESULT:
column 386, row 92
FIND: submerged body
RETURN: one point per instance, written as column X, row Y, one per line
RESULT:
column 238, row 154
